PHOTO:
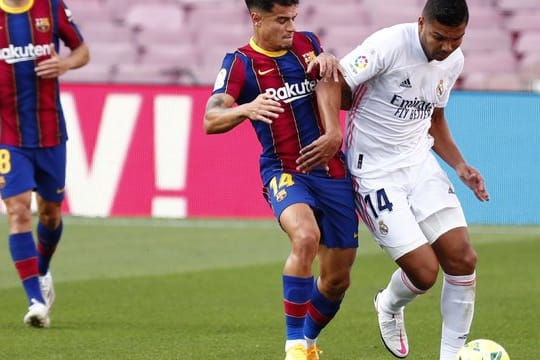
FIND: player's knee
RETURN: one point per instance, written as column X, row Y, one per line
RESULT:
column 305, row 244
column 19, row 213
column 50, row 221
column 335, row 287
column 425, row 278
column 462, row 263
column 50, row 215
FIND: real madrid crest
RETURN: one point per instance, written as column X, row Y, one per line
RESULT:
column 42, row 24
column 440, row 88
column 383, row 228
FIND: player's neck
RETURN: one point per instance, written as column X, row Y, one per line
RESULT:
column 16, row 3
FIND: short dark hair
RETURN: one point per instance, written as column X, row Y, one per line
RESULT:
column 267, row 5
column 446, row 12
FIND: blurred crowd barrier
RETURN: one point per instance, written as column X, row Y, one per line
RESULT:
column 182, row 42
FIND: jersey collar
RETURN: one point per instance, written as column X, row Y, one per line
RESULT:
column 259, row 49
column 16, row 9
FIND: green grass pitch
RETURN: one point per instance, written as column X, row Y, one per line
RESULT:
column 211, row 289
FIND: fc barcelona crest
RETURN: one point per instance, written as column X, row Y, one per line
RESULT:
column 309, row 56
column 42, row 24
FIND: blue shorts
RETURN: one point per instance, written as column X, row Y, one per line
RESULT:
column 39, row 169
column 332, row 201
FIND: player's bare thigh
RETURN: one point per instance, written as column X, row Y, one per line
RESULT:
column 447, row 231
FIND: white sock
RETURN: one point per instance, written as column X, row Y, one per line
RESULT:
column 310, row 342
column 399, row 292
column 291, row 343
column 457, row 309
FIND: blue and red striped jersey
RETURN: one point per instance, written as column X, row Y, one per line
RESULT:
column 251, row 71
column 30, row 110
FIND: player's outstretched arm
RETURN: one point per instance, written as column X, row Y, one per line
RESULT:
column 447, row 149
column 221, row 116
column 55, row 65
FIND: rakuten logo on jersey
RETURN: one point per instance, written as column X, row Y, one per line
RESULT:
column 14, row 54
column 290, row 93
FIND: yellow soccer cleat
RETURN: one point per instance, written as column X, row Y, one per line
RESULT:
column 313, row 353
column 297, row 352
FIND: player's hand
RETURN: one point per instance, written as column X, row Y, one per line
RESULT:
column 53, row 67
column 264, row 108
column 328, row 66
column 319, row 152
column 473, row 179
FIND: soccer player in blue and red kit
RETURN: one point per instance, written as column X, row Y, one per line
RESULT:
column 273, row 80
column 33, row 136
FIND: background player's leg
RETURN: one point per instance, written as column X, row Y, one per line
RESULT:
column 21, row 244
column 24, row 254
column 49, row 231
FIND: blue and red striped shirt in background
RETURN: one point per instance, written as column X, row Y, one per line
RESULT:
column 30, row 111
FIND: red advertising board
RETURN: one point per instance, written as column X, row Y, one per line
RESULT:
column 142, row 151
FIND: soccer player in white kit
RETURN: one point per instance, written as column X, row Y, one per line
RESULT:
column 396, row 85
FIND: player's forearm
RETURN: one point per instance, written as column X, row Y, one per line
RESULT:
column 221, row 116
column 450, row 153
column 443, row 142
column 217, row 121
column 329, row 103
column 78, row 57
column 445, row 146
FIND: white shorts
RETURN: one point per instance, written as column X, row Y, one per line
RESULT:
column 409, row 207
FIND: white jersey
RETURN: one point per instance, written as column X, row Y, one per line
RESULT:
column 395, row 90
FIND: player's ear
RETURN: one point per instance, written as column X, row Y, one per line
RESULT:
column 256, row 18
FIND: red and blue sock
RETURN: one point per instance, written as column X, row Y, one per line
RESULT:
column 24, row 255
column 47, row 241
column 296, row 294
column 320, row 312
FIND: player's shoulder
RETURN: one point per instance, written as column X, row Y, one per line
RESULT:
column 394, row 37
column 457, row 55
column 455, row 62
column 242, row 54
column 307, row 38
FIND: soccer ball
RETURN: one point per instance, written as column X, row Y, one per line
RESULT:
column 482, row 349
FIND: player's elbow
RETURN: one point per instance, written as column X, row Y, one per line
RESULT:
column 210, row 126
column 81, row 56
